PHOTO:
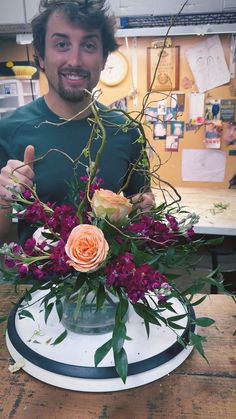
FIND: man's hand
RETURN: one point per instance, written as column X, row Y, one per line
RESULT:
column 145, row 201
column 24, row 175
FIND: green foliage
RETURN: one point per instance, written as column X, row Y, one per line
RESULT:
column 101, row 296
column 60, row 338
column 204, row 321
column 25, row 313
column 59, row 308
column 197, row 341
column 47, row 310
column 121, row 364
column 102, row 352
column 3, row 319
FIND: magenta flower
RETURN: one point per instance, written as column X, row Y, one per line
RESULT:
column 27, row 194
column 136, row 281
column 173, row 223
column 23, row 270
column 155, row 233
column 190, row 233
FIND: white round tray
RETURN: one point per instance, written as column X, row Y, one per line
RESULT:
column 70, row 364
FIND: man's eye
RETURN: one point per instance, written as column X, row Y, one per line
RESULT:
column 62, row 45
column 89, row 46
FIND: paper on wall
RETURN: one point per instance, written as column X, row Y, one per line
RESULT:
column 208, row 65
column 213, row 131
column 203, row 165
column 196, row 108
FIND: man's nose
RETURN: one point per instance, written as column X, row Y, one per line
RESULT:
column 75, row 57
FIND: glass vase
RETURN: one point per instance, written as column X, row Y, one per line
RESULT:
column 88, row 319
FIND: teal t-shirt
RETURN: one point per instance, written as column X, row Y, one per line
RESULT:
column 36, row 124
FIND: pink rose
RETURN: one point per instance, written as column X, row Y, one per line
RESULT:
column 86, row 247
column 108, row 204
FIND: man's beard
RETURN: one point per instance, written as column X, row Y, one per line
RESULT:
column 71, row 95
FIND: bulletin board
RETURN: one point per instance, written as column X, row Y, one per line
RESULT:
column 193, row 137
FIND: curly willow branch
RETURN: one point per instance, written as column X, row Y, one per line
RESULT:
column 130, row 123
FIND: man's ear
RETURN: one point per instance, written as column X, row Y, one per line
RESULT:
column 41, row 63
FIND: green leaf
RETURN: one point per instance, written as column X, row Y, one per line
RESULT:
column 176, row 318
column 48, row 236
column 80, row 280
column 141, row 257
column 48, row 309
column 204, row 321
column 118, row 336
column 181, row 341
column 175, row 325
column 199, row 301
column 59, row 308
column 146, row 313
column 102, row 351
column 215, row 242
column 101, row 296
column 128, row 338
column 26, row 313
column 51, row 294
column 195, row 288
column 137, row 254
column 196, row 341
column 81, row 295
column 121, row 310
column 3, row 319
column 170, row 254
column 147, row 326
column 27, row 296
column 153, row 259
column 60, row 338
column 121, row 364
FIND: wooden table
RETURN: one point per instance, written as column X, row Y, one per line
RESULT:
column 194, row 390
column 216, row 208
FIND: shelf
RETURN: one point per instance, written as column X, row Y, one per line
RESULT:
column 4, row 110
column 31, row 94
column 7, row 96
column 16, row 92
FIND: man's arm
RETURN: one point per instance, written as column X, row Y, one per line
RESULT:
column 24, row 175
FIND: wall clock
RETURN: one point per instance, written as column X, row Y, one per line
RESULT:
column 115, row 70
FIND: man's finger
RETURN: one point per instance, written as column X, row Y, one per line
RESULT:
column 29, row 155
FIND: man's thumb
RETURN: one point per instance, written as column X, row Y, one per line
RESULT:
column 29, row 155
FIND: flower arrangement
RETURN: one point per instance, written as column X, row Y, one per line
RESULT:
column 104, row 245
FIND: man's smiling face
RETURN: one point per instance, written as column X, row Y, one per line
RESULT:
column 73, row 58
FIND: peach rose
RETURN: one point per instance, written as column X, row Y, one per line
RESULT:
column 86, row 247
column 106, row 203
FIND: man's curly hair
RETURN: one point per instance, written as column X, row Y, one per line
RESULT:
column 88, row 14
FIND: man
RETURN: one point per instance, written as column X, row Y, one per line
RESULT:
column 72, row 40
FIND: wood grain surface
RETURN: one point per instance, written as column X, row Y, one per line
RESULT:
column 195, row 389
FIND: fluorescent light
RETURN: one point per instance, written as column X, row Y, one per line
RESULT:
column 24, row 38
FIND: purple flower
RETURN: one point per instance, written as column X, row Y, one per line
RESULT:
column 37, row 272
column 23, row 270
column 136, row 281
column 190, row 233
column 15, row 248
column 9, row 263
column 172, row 222
column 29, row 246
column 27, row 194
column 153, row 232
column 59, row 259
